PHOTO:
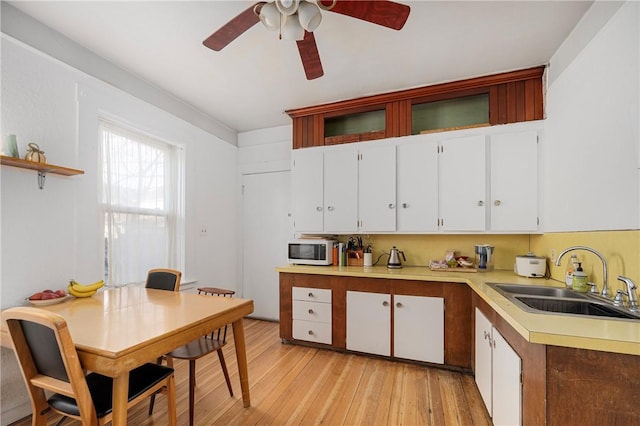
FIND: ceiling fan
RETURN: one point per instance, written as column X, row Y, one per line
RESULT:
column 297, row 19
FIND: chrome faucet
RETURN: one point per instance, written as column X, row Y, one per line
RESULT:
column 631, row 292
column 605, row 287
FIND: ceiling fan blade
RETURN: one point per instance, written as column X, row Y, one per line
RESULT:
column 310, row 56
column 382, row 12
column 232, row 29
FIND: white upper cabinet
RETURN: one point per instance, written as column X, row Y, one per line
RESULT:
column 417, row 186
column 514, row 182
column 377, row 188
column 341, row 190
column 462, row 184
column 307, row 187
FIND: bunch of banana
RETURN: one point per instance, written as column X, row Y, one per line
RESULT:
column 84, row 290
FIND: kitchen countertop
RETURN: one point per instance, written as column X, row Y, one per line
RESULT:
column 609, row 335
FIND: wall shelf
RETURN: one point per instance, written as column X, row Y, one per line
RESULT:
column 41, row 168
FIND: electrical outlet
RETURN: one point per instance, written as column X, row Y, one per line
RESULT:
column 553, row 255
column 203, row 232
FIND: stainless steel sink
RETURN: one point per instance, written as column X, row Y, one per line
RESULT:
column 561, row 301
column 535, row 290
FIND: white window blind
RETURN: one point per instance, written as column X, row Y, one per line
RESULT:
column 142, row 196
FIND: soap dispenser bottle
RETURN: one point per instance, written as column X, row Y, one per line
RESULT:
column 571, row 267
column 579, row 282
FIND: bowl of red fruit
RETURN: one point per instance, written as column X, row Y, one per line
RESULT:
column 47, row 297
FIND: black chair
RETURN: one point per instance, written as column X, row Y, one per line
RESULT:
column 192, row 351
column 164, row 279
column 48, row 361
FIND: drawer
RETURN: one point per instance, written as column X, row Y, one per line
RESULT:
column 312, row 331
column 312, row 294
column 312, row 311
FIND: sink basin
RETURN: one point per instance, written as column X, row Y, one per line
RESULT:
column 535, row 290
column 572, row 306
column 560, row 301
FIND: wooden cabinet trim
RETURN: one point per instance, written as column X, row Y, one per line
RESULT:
column 340, row 107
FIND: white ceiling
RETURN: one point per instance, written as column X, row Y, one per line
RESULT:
column 250, row 83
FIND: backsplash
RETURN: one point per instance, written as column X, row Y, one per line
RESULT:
column 621, row 249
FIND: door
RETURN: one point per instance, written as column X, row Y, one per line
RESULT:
column 377, row 189
column 514, row 182
column 267, row 228
column 507, row 389
column 483, row 359
column 418, row 328
column 462, row 180
column 341, row 190
column 307, row 188
column 418, row 187
column 369, row 322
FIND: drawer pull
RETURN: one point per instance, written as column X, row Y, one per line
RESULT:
column 310, row 332
column 311, row 294
column 311, row 311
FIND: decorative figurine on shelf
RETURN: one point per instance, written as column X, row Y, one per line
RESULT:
column 35, row 154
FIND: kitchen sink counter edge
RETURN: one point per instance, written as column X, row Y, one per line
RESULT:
column 609, row 335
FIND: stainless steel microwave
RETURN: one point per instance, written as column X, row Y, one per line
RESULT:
column 311, row 252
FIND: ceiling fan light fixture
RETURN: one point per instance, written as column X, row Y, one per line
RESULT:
column 287, row 7
column 270, row 16
column 309, row 15
column 292, row 30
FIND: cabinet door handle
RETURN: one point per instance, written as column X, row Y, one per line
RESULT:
column 310, row 332
column 385, row 303
column 486, row 335
column 330, row 208
column 391, row 205
column 480, row 203
column 319, row 208
column 398, row 305
column 497, row 202
column 311, row 311
column 405, row 205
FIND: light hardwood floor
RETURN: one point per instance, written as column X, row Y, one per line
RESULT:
column 297, row 385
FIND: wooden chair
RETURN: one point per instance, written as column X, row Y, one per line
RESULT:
column 49, row 361
column 203, row 346
column 164, row 279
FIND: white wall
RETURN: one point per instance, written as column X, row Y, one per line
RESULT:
column 50, row 235
column 591, row 158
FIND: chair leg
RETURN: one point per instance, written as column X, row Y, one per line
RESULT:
column 192, row 388
column 153, row 397
column 224, row 370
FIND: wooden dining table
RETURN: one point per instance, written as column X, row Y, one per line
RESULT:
column 119, row 329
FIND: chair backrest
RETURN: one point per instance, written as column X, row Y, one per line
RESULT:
column 220, row 334
column 164, row 279
column 48, row 359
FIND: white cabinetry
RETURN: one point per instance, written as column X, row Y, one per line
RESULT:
column 377, row 188
column 462, row 184
column 418, row 328
column 341, row 190
column 417, row 186
column 418, row 325
column 312, row 314
column 307, row 189
column 514, row 182
column 497, row 373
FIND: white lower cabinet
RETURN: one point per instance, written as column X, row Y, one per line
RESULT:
column 418, row 325
column 497, row 373
column 312, row 314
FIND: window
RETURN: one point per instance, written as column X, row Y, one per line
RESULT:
column 142, row 198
